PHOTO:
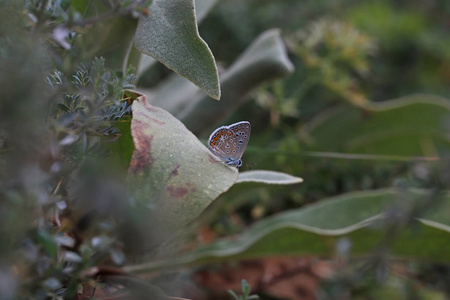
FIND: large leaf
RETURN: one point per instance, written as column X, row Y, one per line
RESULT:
column 170, row 35
column 171, row 170
column 315, row 230
column 416, row 125
column 202, row 7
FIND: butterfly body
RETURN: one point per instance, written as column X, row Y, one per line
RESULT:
column 229, row 142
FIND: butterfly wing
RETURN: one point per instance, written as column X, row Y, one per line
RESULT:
column 216, row 142
column 241, row 136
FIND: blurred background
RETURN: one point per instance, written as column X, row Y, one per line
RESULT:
column 349, row 56
column 321, row 123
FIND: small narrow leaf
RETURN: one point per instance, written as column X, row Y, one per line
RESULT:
column 65, row 240
column 72, row 257
column 269, row 177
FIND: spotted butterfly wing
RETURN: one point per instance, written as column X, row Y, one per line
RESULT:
column 229, row 142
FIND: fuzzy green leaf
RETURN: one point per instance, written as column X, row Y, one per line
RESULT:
column 171, row 170
column 170, row 35
column 202, row 7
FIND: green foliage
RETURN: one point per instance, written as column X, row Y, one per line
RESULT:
column 171, row 37
column 396, row 26
column 358, row 221
column 411, row 42
column 55, row 121
column 336, row 54
column 81, row 108
column 391, row 129
column 245, row 292
column 92, row 97
column 94, row 181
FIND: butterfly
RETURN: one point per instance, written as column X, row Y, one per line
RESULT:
column 229, row 142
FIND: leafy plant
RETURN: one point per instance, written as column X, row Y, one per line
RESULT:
column 102, row 180
column 245, row 292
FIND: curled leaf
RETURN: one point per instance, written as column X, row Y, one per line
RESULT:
column 171, row 171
